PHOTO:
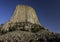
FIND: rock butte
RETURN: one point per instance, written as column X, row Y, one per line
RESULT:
column 23, row 13
column 25, row 27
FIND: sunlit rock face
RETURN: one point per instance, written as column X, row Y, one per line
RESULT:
column 23, row 13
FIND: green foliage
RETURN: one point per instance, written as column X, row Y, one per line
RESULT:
column 12, row 28
column 16, row 26
column 34, row 30
column 24, row 29
column 42, row 28
column 3, row 31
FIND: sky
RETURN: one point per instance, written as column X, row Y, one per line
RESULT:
column 48, row 11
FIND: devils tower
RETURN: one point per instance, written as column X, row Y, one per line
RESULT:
column 24, row 26
column 23, row 13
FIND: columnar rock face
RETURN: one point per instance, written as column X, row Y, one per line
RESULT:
column 23, row 13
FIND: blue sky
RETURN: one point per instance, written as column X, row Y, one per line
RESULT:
column 48, row 11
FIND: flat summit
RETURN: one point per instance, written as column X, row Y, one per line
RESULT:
column 24, row 26
column 24, row 13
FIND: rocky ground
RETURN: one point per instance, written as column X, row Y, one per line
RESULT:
column 24, row 36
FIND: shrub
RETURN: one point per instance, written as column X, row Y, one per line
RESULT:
column 24, row 29
column 12, row 28
column 3, row 31
column 43, row 28
column 34, row 30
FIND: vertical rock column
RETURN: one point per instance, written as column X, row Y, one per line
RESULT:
column 22, row 13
